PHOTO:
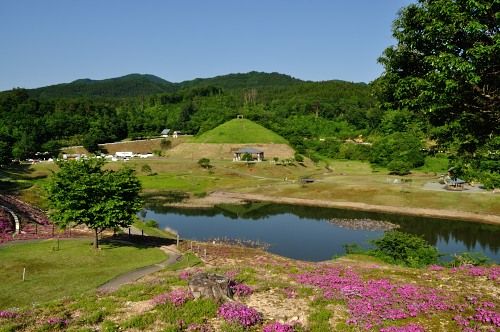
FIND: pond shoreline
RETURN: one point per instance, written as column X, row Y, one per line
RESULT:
column 225, row 197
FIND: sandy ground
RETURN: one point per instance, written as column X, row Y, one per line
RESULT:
column 218, row 197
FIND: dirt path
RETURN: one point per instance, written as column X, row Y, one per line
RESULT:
column 115, row 283
column 219, row 197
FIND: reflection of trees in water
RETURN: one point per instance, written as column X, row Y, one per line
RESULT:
column 432, row 229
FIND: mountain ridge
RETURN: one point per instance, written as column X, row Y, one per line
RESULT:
column 135, row 85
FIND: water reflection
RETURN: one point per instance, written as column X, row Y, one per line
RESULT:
column 450, row 236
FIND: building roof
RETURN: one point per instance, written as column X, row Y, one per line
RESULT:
column 249, row 150
column 165, row 131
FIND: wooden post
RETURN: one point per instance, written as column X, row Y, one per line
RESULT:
column 36, row 228
column 142, row 232
column 129, row 232
column 191, row 244
column 52, row 229
column 205, row 253
column 177, row 239
column 24, row 274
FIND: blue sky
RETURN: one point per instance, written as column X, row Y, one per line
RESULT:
column 55, row 41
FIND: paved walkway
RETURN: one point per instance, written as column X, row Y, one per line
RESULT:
column 173, row 256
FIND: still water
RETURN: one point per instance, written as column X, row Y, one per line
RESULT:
column 306, row 233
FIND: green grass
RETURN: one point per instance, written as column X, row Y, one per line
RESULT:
column 240, row 131
column 153, row 231
column 187, row 260
column 75, row 268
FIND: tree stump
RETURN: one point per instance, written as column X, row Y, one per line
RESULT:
column 210, row 286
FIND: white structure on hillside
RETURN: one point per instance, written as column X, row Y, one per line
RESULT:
column 164, row 132
column 124, row 154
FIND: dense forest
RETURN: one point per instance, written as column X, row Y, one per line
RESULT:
column 439, row 93
column 90, row 112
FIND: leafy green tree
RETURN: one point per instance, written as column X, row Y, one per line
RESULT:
column 400, row 150
column 445, row 67
column 406, row 249
column 81, row 192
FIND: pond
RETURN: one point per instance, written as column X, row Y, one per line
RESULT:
column 317, row 234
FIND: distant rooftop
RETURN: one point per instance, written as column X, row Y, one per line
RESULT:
column 249, row 150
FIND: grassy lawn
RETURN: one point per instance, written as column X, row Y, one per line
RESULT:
column 75, row 268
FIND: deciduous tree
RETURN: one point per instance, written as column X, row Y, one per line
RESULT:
column 82, row 192
column 446, row 67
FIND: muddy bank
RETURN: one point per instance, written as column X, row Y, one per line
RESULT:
column 219, row 197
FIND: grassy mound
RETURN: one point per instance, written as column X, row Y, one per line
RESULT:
column 240, row 131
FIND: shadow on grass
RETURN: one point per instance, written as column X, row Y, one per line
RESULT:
column 14, row 178
column 138, row 241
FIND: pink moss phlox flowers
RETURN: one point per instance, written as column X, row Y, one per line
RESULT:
column 278, row 327
column 8, row 314
column 485, row 317
column 435, row 268
column 198, row 328
column 239, row 313
column 184, row 275
column 405, row 328
column 231, row 274
column 290, row 293
column 374, row 301
column 177, row 297
column 241, row 289
column 491, row 272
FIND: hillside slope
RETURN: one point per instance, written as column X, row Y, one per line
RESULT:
column 126, row 86
column 240, row 131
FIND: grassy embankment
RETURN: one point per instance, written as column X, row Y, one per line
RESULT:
column 72, row 269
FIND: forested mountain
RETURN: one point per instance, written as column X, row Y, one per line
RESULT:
column 126, row 86
column 90, row 112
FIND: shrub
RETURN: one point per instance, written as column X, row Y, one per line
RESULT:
column 470, row 258
column 298, row 157
column 406, row 249
column 399, row 167
column 204, row 162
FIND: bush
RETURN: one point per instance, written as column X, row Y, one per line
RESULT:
column 470, row 258
column 490, row 180
column 352, row 151
column 398, row 147
column 204, row 162
column 298, row 157
column 401, row 248
column 399, row 167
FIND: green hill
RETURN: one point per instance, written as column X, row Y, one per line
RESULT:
column 126, row 86
column 240, row 81
column 240, row 131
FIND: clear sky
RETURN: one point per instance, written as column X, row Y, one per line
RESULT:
column 46, row 42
